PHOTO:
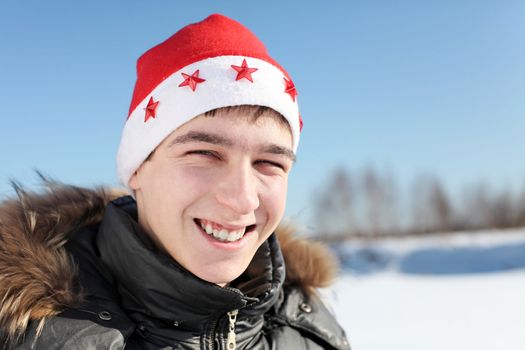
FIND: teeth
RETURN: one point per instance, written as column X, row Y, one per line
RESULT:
column 232, row 236
column 223, row 235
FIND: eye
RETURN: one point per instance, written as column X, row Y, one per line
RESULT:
column 271, row 164
column 205, row 153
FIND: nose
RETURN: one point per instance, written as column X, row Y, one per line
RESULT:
column 238, row 190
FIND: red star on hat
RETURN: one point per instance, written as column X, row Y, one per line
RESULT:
column 244, row 71
column 191, row 80
column 290, row 88
column 151, row 109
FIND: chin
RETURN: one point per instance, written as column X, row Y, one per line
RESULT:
column 221, row 276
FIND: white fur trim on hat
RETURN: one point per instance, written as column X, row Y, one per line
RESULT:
column 177, row 105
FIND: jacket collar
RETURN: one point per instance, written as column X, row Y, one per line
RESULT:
column 153, row 287
column 36, row 227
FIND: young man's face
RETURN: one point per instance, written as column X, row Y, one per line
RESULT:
column 214, row 190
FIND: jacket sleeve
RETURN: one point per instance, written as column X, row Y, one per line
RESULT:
column 63, row 333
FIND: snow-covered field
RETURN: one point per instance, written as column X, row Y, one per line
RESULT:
column 461, row 308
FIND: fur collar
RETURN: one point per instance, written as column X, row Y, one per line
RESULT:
column 37, row 275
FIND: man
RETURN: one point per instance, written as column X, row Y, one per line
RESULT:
column 190, row 261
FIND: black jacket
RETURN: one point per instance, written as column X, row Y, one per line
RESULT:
column 124, row 293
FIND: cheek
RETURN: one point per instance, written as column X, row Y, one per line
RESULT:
column 169, row 191
column 172, row 180
column 274, row 197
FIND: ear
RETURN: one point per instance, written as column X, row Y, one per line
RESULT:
column 134, row 182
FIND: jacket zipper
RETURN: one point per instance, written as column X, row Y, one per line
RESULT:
column 211, row 338
column 232, row 318
column 231, row 344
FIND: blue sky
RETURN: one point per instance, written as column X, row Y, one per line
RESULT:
column 411, row 86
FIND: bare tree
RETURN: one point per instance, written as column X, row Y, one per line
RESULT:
column 420, row 212
column 521, row 207
column 501, row 211
column 475, row 210
column 431, row 206
column 379, row 195
column 440, row 206
column 334, row 205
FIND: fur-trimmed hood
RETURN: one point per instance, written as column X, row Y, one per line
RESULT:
column 38, row 276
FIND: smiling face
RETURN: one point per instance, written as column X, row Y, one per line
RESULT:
column 215, row 189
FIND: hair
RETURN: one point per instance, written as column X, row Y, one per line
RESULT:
column 251, row 112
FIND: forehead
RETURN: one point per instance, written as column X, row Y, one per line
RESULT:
column 238, row 125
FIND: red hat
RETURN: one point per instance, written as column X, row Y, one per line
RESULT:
column 206, row 65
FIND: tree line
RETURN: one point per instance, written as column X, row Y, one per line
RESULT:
column 369, row 203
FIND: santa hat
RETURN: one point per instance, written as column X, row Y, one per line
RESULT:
column 206, row 65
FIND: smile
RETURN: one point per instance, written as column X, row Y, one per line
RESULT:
column 222, row 233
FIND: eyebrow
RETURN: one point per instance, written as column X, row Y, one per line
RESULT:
column 199, row 136
column 279, row 150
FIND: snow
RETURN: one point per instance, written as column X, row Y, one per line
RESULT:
column 390, row 308
column 459, row 253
